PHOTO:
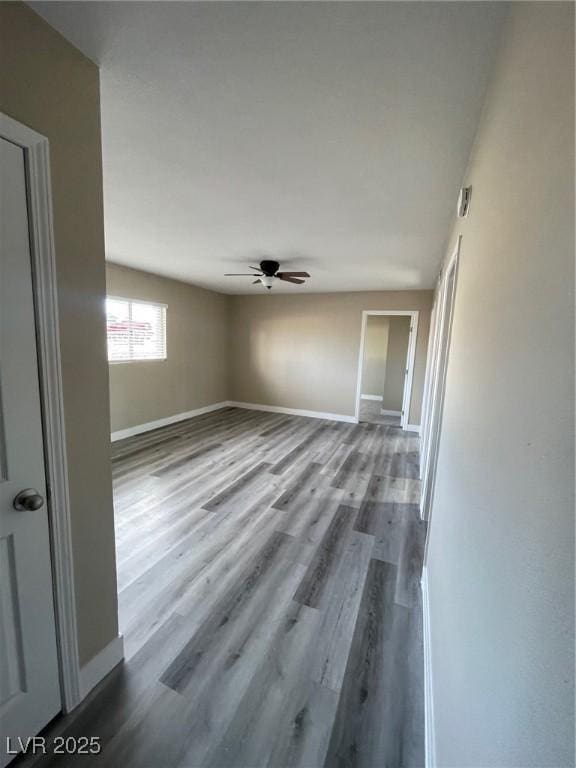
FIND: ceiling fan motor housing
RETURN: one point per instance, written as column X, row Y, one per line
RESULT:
column 269, row 267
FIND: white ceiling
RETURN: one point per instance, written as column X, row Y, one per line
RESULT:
column 332, row 137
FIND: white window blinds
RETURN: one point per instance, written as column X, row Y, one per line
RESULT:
column 136, row 330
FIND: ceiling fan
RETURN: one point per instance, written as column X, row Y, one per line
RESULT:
column 268, row 272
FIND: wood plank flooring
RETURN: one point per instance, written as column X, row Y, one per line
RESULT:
column 370, row 410
column 269, row 597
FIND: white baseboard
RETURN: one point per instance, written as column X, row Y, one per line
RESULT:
column 100, row 665
column 293, row 411
column 372, row 397
column 386, row 412
column 412, row 428
column 430, row 745
column 139, row 428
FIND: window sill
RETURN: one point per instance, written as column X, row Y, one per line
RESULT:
column 139, row 360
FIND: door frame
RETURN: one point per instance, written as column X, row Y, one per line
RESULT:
column 436, row 380
column 430, row 371
column 410, row 359
column 40, row 221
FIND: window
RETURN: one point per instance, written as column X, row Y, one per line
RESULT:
column 136, row 330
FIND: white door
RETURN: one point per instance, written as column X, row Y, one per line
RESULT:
column 29, row 680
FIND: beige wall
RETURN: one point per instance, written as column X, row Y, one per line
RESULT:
column 195, row 372
column 501, row 549
column 396, row 359
column 301, row 351
column 375, row 351
column 56, row 92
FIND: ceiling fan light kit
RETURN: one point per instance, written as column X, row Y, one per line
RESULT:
column 268, row 272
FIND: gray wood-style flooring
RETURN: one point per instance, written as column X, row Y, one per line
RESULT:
column 371, row 411
column 269, row 596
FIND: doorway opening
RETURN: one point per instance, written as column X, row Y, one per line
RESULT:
column 386, row 367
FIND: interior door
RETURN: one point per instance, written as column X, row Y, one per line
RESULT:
column 29, row 680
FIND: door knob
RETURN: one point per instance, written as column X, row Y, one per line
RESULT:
column 29, row 500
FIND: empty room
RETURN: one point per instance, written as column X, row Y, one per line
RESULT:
column 287, row 384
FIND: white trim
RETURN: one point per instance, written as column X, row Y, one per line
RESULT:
column 139, row 428
column 379, row 398
column 412, row 428
column 386, row 412
column 410, row 357
column 429, row 737
column 294, row 411
column 133, row 360
column 411, row 363
column 37, row 161
column 101, row 665
column 439, row 367
column 430, row 359
column 121, row 434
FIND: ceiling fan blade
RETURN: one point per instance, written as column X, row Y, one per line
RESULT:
column 292, row 274
column 256, row 281
column 239, row 274
column 282, row 276
column 258, row 269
